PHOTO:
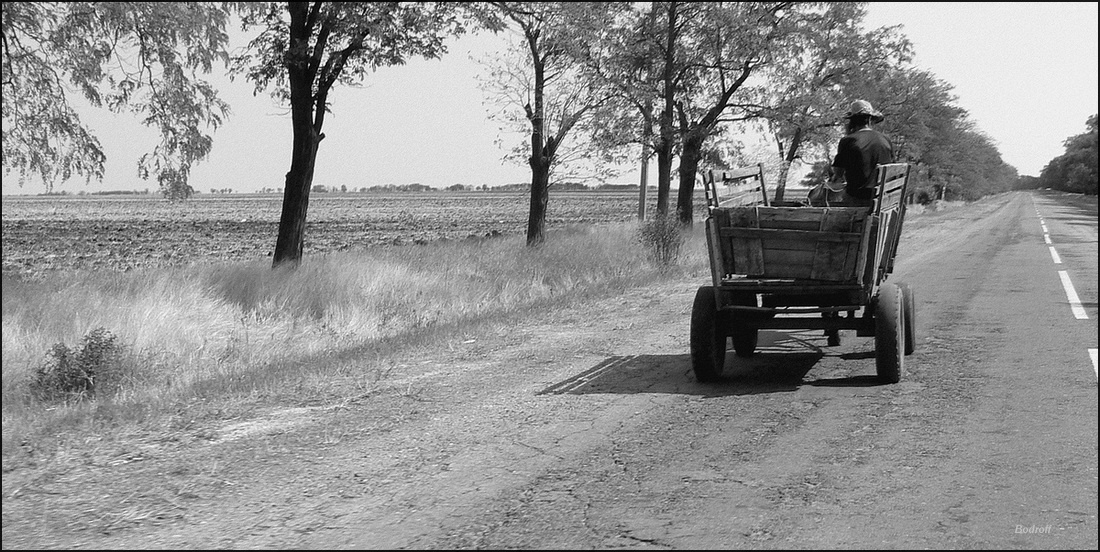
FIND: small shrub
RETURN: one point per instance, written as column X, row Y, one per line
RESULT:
column 74, row 373
column 663, row 238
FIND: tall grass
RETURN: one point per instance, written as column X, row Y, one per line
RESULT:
column 218, row 331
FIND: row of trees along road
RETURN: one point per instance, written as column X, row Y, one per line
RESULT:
column 1075, row 170
column 594, row 84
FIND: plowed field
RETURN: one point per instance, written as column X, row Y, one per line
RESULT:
column 119, row 232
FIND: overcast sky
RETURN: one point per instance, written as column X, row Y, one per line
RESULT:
column 1026, row 72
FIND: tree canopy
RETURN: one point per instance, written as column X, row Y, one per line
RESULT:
column 142, row 57
column 1074, row 170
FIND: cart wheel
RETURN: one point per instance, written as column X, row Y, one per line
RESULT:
column 708, row 337
column 910, row 318
column 744, row 335
column 889, row 333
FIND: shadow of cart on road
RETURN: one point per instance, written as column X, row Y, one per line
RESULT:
column 781, row 362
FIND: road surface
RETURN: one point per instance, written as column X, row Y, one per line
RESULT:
column 585, row 428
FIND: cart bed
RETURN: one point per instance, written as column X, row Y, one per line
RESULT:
column 809, row 243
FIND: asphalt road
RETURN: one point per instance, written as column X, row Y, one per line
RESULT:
column 586, row 429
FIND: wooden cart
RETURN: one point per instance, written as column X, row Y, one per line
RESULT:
column 798, row 267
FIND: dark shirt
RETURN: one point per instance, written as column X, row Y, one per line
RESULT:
column 858, row 154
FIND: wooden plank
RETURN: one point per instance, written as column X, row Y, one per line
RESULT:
column 797, row 236
column 893, row 171
column 788, row 264
column 734, row 174
column 780, row 246
column 770, row 216
column 739, row 195
column 763, row 186
column 748, row 258
column 832, row 263
column 839, row 263
column 740, row 186
column 782, row 257
column 722, row 219
column 731, row 196
column 786, row 286
column 741, row 217
column 746, row 254
column 870, row 253
column 887, row 241
column 714, row 249
column 891, row 202
column 794, row 271
column 844, row 220
column 850, row 265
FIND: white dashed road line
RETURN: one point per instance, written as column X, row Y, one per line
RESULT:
column 1071, row 294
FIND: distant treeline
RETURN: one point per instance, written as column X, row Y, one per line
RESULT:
column 106, row 193
column 1076, row 169
column 517, row 187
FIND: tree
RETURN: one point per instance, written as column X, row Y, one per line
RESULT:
column 807, row 92
column 724, row 46
column 1076, row 169
column 305, row 49
column 697, row 58
column 669, row 67
column 554, row 94
column 929, row 131
column 141, row 57
column 626, row 64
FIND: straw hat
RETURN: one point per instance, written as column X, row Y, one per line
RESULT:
column 863, row 107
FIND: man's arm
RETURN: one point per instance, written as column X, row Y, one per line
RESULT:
column 836, row 181
column 838, row 174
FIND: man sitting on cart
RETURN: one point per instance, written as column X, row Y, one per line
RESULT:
column 859, row 152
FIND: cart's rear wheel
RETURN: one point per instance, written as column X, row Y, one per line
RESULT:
column 708, row 337
column 744, row 334
column 889, row 333
column 909, row 304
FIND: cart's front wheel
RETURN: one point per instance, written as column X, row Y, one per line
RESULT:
column 909, row 304
column 708, row 337
column 889, row 333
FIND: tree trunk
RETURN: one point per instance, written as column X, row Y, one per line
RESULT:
column 307, row 136
column 785, row 166
column 647, row 138
column 540, row 196
column 292, row 224
column 781, row 180
column 643, row 183
column 665, row 125
column 664, row 175
column 689, row 168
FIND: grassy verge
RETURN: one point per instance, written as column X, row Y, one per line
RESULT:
column 92, row 353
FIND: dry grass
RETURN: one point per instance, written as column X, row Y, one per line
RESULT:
column 206, row 340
